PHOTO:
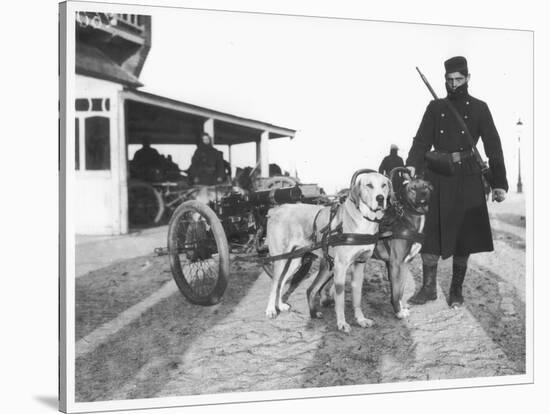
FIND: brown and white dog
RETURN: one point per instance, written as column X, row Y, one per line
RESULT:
column 409, row 205
column 291, row 226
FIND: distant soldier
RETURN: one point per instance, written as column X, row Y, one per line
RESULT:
column 391, row 161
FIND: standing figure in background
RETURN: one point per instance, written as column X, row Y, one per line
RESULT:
column 206, row 164
column 391, row 161
column 457, row 223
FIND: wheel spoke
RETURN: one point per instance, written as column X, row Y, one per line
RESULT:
column 196, row 248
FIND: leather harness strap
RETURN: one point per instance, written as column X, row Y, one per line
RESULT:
column 329, row 237
column 336, row 237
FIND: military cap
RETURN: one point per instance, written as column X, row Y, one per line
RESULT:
column 456, row 64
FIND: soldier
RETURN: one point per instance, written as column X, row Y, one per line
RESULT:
column 391, row 161
column 457, row 223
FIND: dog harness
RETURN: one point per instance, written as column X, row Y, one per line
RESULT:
column 329, row 237
column 396, row 223
column 336, row 237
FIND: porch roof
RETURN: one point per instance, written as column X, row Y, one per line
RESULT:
column 167, row 121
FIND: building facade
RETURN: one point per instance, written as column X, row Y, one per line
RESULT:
column 112, row 113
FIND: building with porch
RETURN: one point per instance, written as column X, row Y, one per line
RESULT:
column 111, row 114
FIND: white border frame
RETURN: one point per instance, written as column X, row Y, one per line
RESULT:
column 67, row 267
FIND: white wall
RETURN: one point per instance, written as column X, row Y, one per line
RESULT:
column 99, row 205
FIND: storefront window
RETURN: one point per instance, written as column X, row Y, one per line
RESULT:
column 98, row 154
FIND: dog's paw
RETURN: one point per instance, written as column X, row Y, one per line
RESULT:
column 365, row 322
column 284, row 307
column 403, row 313
column 315, row 314
column 271, row 313
column 344, row 327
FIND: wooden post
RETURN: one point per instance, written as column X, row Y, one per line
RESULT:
column 122, row 151
column 264, row 154
column 229, row 156
column 258, row 153
column 208, row 127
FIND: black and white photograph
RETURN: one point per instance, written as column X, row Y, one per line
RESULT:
column 273, row 206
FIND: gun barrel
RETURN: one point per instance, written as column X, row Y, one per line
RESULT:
column 276, row 196
column 426, row 83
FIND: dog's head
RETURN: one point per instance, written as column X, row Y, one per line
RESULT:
column 370, row 193
column 413, row 192
column 417, row 192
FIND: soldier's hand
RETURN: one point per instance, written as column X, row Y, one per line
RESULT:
column 498, row 195
column 411, row 169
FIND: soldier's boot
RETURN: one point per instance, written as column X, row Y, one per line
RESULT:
column 428, row 291
column 459, row 272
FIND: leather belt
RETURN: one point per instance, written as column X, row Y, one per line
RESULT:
column 457, row 157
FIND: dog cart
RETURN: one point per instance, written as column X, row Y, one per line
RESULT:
column 201, row 236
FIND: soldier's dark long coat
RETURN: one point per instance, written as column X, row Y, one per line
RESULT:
column 458, row 220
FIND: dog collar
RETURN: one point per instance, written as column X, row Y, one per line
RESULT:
column 374, row 220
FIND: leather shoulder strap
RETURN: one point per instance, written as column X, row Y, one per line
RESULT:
column 463, row 125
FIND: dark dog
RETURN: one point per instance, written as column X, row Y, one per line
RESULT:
column 400, row 239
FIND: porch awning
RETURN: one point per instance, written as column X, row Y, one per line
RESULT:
column 166, row 121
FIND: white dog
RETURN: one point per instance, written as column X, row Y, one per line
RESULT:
column 291, row 226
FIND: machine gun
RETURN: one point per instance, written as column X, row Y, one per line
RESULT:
column 245, row 214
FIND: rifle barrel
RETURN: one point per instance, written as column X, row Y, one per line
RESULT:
column 426, row 83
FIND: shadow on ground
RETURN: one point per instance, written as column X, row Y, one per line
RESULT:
column 367, row 355
column 178, row 349
column 102, row 294
column 497, row 307
column 139, row 359
column 48, row 401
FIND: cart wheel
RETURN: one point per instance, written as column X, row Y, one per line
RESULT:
column 145, row 204
column 199, row 253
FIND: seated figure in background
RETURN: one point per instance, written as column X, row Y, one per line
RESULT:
column 171, row 169
column 147, row 163
column 207, row 166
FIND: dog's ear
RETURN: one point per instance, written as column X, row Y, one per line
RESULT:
column 390, row 199
column 390, row 186
column 354, row 194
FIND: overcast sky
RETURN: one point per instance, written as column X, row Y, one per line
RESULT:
column 349, row 88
